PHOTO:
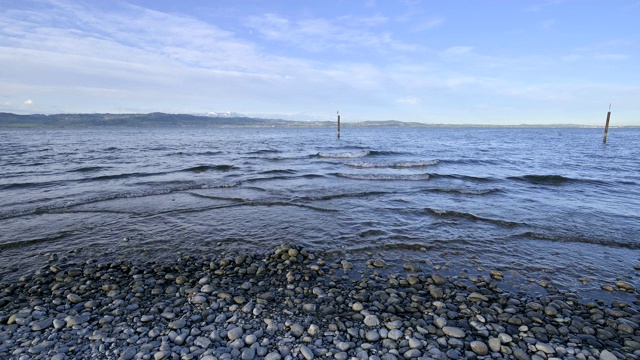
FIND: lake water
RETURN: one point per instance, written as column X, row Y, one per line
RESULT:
column 538, row 204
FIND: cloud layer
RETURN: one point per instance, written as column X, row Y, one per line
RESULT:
column 404, row 61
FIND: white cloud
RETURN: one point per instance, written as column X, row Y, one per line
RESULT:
column 346, row 33
column 28, row 102
column 106, row 56
column 410, row 100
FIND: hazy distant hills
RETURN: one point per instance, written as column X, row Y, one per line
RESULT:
column 131, row 120
column 157, row 119
column 169, row 120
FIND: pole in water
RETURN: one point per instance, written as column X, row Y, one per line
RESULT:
column 337, row 112
column 606, row 126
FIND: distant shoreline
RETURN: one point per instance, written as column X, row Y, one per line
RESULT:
column 10, row 120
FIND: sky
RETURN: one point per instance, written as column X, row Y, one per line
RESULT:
column 458, row 62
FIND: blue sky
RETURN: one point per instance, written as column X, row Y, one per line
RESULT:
column 489, row 62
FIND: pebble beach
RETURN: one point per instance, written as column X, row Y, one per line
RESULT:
column 289, row 303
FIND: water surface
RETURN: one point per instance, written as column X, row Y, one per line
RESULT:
column 538, row 203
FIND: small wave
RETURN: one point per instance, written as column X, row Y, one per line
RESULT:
column 278, row 171
column 543, row 179
column 552, row 180
column 88, row 169
column 282, row 176
column 385, row 177
column 169, row 188
column 112, row 148
column 312, row 176
column 342, row 196
column 264, row 151
column 384, row 153
column 35, row 185
column 277, row 203
column 398, row 165
column 205, row 153
column 23, row 243
column 349, row 154
column 464, row 191
column 203, row 168
column 123, row 176
column 469, row 216
column 470, row 161
column 578, row 239
column 371, row 233
column 462, row 177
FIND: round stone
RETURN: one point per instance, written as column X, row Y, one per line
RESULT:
column 379, row 263
column 438, row 279
column 177, row 324
column 454, row 332
column 248, row 354
column 372, row 336
column 479, row 348
column 440, row 322
column 607, row 355
column 74, row 298
column 495, row 344
column 306, row 352
column 250, row 339
column 235, row 333
column 505, row 338
column 395, row 334
column 546, row 348
column 296, row 330
column 415, row 343
column 199, row 299
column 371, row 320
column 310, row 308
column 412, row 354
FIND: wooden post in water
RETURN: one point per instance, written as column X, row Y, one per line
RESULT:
column 606, row 127
column 338, row 124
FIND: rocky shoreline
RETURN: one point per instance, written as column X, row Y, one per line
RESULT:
column 291, row 304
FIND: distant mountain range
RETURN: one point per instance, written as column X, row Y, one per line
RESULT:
column 9, row 120
column 164, row 119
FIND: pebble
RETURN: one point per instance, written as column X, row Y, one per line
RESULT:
column 177, row 324
column 306, row 352
column 454, row 332
column 235, row 333
column 372, row 336
column 505, row 338
column 257, row 306
column 371, row 321
column 74, row 298
column 479, row 348
column 495, row 344
column 296, row 330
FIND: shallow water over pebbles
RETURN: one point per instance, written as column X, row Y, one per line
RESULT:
column 546, row 205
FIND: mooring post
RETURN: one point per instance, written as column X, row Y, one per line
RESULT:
column 606, row 126
column 338, row 125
